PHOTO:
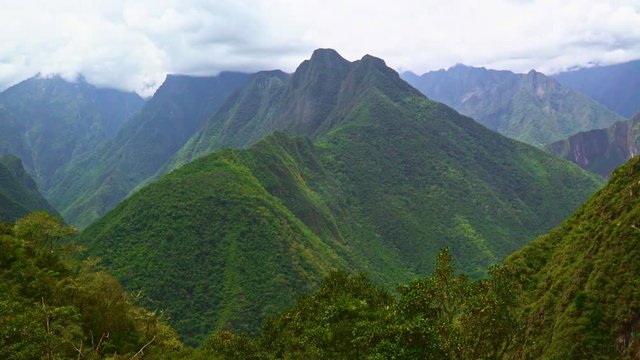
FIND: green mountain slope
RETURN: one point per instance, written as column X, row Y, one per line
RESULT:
column 48, row 122
column 529, row 107
column 615, row 86
column 571, row 294
column 94, row 184
column 210, row 245
column 18, row 192
column 310, row 102
column 601, row 150
column 581, row 280
column 390, row 179
column 300, row 104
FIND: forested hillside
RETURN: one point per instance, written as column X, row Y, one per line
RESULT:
column 92, row 185
column 581, row 284
column 571, row 294
column 390, row 180
column 55, row 307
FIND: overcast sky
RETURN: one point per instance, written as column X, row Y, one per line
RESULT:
column 133, row 44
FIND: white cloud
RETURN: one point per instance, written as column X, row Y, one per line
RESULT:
column 133, row 44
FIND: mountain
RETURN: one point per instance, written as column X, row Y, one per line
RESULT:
column 581, row 282
column 531, row 107
column 571, row 294
column 615, row 86
column 48, row 122
column 213, row 248
column 18, row 192
column 601, row 150
column 389, row 179
column 308, row 102
column 90, row 186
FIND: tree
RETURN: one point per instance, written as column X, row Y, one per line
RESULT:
column 42, row 229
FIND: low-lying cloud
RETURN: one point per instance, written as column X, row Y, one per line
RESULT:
column 132, row 45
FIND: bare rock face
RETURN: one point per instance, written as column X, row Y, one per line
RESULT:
column 602, row 150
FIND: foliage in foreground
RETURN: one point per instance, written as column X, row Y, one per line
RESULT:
column 571, row 294
column 53, row 307
column 581, row 282
column 443, row 316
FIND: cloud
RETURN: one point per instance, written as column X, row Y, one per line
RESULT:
column 132, row 45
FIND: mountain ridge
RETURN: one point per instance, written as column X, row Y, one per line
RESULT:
column 48, row 122
column 95, row 183
column 392, row 179
column 531, row 107
column 301, row 109
column 614, row 86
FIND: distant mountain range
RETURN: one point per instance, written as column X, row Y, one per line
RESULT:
column 226, row 199
column 618, row 88
column 87, row 148
column 94, row 183
column 615, row 86
column 383, row 179
column 47, row 122
column 18, row 192
column 532, row 107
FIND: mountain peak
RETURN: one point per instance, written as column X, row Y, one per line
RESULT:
column 321, row 61
column 369, row 59
column 460, row 66
column 533, row 72
column 494, row 98
column 327, row 56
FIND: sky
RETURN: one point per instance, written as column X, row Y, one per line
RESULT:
column 132, row 45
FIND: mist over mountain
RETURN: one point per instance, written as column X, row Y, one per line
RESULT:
column 190, row 179
column 48, row 122
column 93, row 184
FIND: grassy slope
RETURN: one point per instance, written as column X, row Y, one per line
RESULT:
column 581, row 280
